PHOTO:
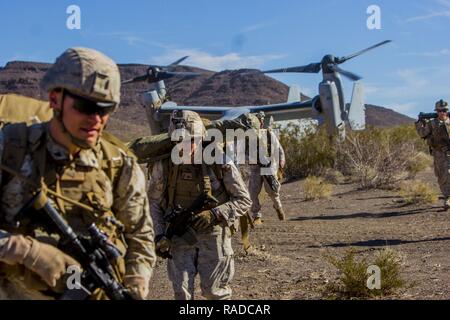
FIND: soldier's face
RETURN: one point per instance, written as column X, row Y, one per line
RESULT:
column 85, row 127
column 442, row 114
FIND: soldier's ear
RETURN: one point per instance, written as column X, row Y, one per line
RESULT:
column 54, row 97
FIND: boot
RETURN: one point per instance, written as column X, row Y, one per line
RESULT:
column 257, row 221
column 447, row 203
column 281, row 215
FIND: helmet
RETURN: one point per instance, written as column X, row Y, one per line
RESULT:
column 86, row 73
column 254, row 120
column 188, row 121
column 261, row 115
column 441, row 104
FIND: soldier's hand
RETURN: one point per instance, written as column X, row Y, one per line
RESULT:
column 162, row 247
column 204, row 220
column 137, row 286
column 47, row 261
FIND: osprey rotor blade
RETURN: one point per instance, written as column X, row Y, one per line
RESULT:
column 310, row 68
column 177, row 62
column 343, row 59
column 136, row 79
column 345, row 73
column 182, row 74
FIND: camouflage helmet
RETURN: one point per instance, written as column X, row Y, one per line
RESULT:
column 87, row 73
column 261, row 115
column 441, row 104
column 189, row 121
column 255, row 120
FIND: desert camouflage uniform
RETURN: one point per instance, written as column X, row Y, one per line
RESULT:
column 436, row 132
column 212, row 256
column 256, row 180
column 83, row 179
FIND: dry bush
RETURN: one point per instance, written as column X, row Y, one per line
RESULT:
column 376, row 157
column 417, row 192
column 333, row 176
column 420, row 162
column 308, row 152
column 390, row 264
column 316, row 188
column 353, row 276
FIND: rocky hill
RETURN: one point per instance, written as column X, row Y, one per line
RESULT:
column 210, row 88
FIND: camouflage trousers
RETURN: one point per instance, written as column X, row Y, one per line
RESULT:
column 13, row 289
column 255, row 183
column 211, row 258
column 442, row 172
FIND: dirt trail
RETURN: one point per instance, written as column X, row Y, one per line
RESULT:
column 288, row 257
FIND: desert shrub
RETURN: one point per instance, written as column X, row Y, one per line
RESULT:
column 390, row 264
column 420, row 162
column 333, row 176
column 353, row 275
column 315, row 188
column 417, row 192
column 374, row 158
column 308, row 152
column 377, row 157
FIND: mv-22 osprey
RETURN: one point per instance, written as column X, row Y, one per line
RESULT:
column 328, row 107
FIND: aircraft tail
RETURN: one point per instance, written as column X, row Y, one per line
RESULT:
column 294, row 94
column 357, row 110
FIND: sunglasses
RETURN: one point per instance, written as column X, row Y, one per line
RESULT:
column 89, row 107
column 442, row 110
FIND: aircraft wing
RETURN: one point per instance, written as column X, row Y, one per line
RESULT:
column 288, row 111
column 279, row 112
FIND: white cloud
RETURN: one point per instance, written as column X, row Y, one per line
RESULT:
column 414, row 89
column 257, row 26
column 370, row 89
column 132, row 39
column 433, row 13
column 445, row 3
column 431, row 54
column 430, row 16
column 208, row 61
column 412, row 78
column 406, row 108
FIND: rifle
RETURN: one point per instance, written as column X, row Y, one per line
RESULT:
column 271, row 181
column 427, row 116
column 179, row 220
column 96, row 259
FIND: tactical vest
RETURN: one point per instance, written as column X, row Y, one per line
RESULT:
column 187, row 182
column 83, row 184
column 439, row 137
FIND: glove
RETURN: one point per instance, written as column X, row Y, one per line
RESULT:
column 204, row 220
column 162, row 247
column 137, row 286
column 47, row 261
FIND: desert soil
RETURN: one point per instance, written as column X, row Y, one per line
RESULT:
column 288, row 257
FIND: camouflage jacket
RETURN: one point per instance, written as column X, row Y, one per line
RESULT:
column 83, row 178
column 237, row 205
column 436, row 133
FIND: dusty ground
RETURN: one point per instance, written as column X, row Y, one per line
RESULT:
column 288, row 257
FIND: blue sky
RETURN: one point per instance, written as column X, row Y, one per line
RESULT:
column 408, row 75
